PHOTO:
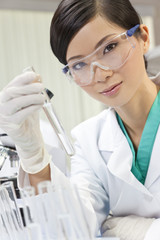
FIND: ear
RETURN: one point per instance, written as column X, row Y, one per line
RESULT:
column 145, row 38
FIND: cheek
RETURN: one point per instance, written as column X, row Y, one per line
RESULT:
column 131, row 74
column 134, row 69
column 89, row 90
column 92, row 92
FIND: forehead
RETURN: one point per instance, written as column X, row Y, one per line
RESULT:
column 89, row 35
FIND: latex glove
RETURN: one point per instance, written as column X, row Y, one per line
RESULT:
column 153, row 232
column 127, row 228
column 20, row 101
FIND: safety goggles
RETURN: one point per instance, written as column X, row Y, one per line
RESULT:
column 111, row 55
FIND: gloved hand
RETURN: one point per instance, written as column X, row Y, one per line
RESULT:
column 127, row 228
column 20, row 101
column 154, row 231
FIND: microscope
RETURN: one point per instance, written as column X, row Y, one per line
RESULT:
column 9, row 161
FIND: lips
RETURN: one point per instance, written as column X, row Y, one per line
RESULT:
column 111, row 90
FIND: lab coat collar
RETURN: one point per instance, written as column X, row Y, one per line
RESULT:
column 113, row 140
column 153, row 170
column 111, row 134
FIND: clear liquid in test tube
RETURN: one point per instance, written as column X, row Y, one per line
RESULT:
column 54, row 121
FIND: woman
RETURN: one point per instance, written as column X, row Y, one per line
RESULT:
column 102, row 45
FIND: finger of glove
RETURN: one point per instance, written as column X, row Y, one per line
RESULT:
column 24, row 78
column 14, row 121
column 17, row 104
column 110, row 223
column 20, row 116
column 17, row 91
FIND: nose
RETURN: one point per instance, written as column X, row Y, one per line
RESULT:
column 100, row 73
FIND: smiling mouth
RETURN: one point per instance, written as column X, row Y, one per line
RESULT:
column 111, row 90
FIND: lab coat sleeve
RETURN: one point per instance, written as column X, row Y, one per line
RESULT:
column 90, row 187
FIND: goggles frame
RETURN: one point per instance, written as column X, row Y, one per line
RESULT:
column 129, row 33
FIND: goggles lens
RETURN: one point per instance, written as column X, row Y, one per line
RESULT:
column 111, row 55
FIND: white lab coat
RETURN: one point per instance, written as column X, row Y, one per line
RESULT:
column 105, row 160
column 101, row 168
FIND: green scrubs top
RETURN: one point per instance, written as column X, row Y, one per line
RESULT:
column 141, row 161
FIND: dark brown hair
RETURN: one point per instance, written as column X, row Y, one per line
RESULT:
column 72, row 15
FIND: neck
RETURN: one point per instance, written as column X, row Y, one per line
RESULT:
column 134, row 114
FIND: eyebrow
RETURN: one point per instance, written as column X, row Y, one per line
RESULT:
column 97, row 45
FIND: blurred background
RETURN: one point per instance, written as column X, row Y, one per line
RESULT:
column 24, row 41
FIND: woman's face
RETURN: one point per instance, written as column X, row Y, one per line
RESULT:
column 114, row 88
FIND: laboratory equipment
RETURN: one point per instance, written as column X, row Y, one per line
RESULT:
column 8, row 153
column 11, row 221
column 9, row 162
column 56, row 213
column 54, row 121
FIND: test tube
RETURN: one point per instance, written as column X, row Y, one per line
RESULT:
column 14, row 231
column 64, row 216
column 33, row 229
column 12, row 197
column 54, row 121
column 5, row 229
column 49, row 207
column 28, row 210
column 75, row 208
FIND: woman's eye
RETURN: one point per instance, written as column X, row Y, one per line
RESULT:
column 109, row 47
column 78, row 66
